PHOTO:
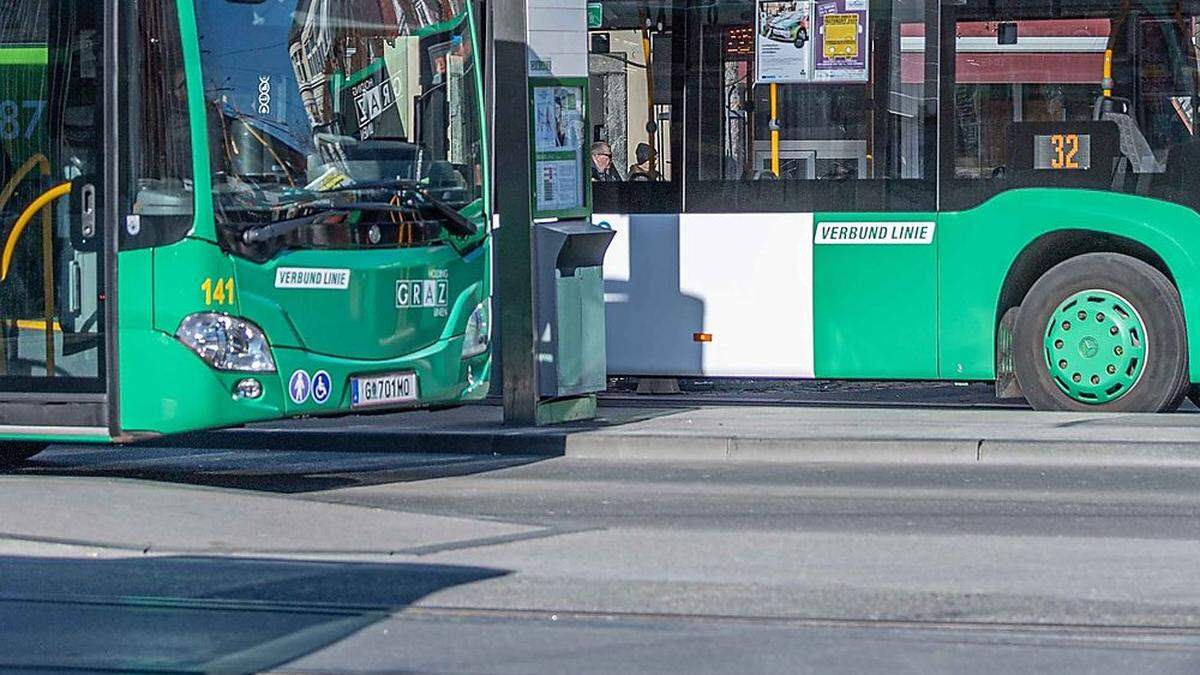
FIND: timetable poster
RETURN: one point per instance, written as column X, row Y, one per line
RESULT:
column 558, row 148
column 841, row 49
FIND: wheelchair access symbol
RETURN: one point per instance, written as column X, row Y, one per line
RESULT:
column 322, row 386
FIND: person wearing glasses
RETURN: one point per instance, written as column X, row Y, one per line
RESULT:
column 603, row 170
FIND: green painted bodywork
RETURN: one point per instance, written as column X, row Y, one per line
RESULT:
column 165, row 388
column 977, row 248
column 875, row 305
column 931, row 311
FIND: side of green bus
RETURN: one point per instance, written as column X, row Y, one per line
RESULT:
column 966, row 192
column 937, row 311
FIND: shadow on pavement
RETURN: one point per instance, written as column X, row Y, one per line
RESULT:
column 316, row 454
column 197, row 613
column 473, row 429
column 278, row 471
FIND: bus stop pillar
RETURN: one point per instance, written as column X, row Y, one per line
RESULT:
column 548, row 255
column 509, row 83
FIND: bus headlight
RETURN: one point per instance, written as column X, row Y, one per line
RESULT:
column 227, row 342
column 479, row 331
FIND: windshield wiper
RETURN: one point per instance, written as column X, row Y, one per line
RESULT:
column 268, row 232
column 456, row 222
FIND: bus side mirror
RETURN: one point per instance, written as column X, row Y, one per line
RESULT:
column 85, row 214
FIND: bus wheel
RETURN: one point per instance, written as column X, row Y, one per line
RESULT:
column 1102, row 332
column 14, row 453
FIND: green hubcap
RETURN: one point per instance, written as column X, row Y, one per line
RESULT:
column 1095, row 347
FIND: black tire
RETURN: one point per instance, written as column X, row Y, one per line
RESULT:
column 15, row 453
column 1164, row 379
column 801, row 38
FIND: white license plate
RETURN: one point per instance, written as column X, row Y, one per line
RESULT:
column 383, row 389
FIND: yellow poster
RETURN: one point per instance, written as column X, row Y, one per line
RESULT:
column 841, row 36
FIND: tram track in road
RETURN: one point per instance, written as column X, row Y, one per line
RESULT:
column 1097, row 631
column 433, row 611
column 163, row 634
column 1162, row 638
column 196, row 604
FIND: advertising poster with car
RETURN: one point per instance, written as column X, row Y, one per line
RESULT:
column 840, row 43
column 812, row 41
column 783, row 44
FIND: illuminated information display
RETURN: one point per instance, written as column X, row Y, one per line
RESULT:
column 1062, row 152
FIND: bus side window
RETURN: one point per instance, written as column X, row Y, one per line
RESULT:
column 1149, row 99
column 159, row 122
column 797, row 108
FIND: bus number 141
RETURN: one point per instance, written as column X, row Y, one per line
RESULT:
column 217, row 292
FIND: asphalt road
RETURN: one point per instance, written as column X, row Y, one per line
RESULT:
column 214, row 560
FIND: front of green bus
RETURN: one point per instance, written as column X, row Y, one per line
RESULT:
column 338, row 256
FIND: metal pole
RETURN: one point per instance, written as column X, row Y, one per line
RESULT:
column 514, row 273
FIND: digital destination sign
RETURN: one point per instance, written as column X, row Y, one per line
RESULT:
column 1062, row 152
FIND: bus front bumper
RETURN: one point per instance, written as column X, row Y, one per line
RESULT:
column 182, row 393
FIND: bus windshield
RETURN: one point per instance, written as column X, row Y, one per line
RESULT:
column 314, row 97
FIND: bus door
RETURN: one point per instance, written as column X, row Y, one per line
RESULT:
column 52, row 340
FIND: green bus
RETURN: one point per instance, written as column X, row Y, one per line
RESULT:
column 221, row 211
column 926, row 190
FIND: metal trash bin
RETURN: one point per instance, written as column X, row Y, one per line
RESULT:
column 570, row 307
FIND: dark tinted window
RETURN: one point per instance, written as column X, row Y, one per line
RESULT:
column 161, row 159
column 1030, row 106
column 633, row 131
column 811, row 106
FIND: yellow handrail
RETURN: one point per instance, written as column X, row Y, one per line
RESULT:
column 38, row 160
column 57, row 192
column 1107, row 82
column 774, row 126
column 652, row 124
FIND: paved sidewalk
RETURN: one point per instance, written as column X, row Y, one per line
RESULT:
column 774, row 434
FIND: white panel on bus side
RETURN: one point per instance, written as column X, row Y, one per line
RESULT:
column 746, row 279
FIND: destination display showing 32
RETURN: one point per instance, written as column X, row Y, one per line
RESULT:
column 1062, row 152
